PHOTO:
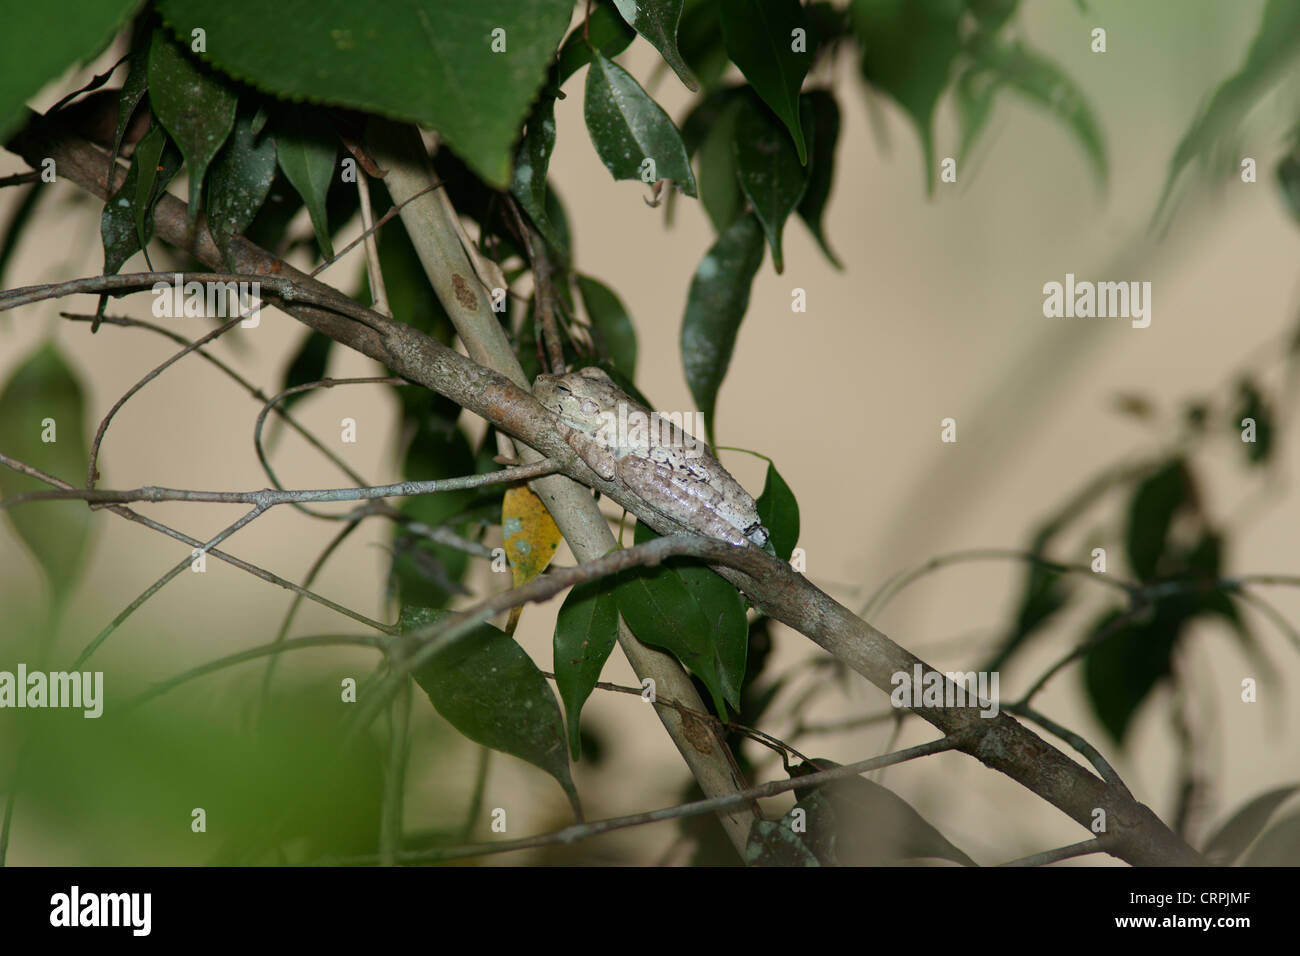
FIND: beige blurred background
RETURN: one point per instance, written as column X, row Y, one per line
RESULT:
column 938, row 313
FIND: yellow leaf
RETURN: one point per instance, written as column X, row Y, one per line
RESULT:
column 531, row 537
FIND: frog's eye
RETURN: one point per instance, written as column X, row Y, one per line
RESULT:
column 566, row 391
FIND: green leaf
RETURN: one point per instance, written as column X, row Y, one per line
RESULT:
column 425, row 573
column 1288, row 181
column 586, row 631
column 775, row 843
column 699, row 37
column 42, row 423
column 1271, row 53
column 196, row 107
column 147, row 159
column 607, row 32
column 1155, row 502
column 760, row 39
column 769, row 171
column 532, row 161
column 822, row 112
column 13, row 229
column 628, row 128
column 657, row 20
column 611, row 326
column 430, row 62
column 1121, row 671
column 854, row 822
column 136, row 84
column 307, row 365
column 779, row 512
column 41, row 40
column 486, row 687
column 661, row 610
column 1251, row 404
column 720, row 191
column 305, row 149
column 118, row 223
column 1279, row 846
column 908, row 51
column 993, row 14
column 240, row 181
column 722, row 607
column 1240, row 829
column 715, row 307
column 1039, row 79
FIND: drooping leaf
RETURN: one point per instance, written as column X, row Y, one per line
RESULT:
column 779, row 512
column 769, row 172
column 136, row 83
column 467, row 68
column 532, row 160
column 240, row 180
column 16, row 224
column 1251, row 405
column 720, row 191
column 908, row 51
column 486, row 687
column 611, row 326
column 657, row 20
column 426, row 573
column 715, row 307
column 1155, row 502
column 307, row 365
column 41, row 40
column 699, row 37
column 1288, row 181
column 1121, row 671
column 607, row 32
column 820, row 109
column 195, row 105
column 147, row 160
column 1037, row 78
column 769, row 42
column 855, row 822
column 1272, row 51
column 586, row 630
column 1239, row 830
column 118, row 225
column 775, row 843
column 1279, row 846
column 305, row 150
column 632, row 134
column 42, row 424
column 528, row 533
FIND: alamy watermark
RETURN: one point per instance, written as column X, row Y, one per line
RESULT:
column 924, row 688
column 218, row 300
column 74, row 689
column 1099, row 300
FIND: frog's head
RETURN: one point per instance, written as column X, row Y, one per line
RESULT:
column 579, row 398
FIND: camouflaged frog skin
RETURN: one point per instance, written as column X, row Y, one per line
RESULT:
column 674, row 473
